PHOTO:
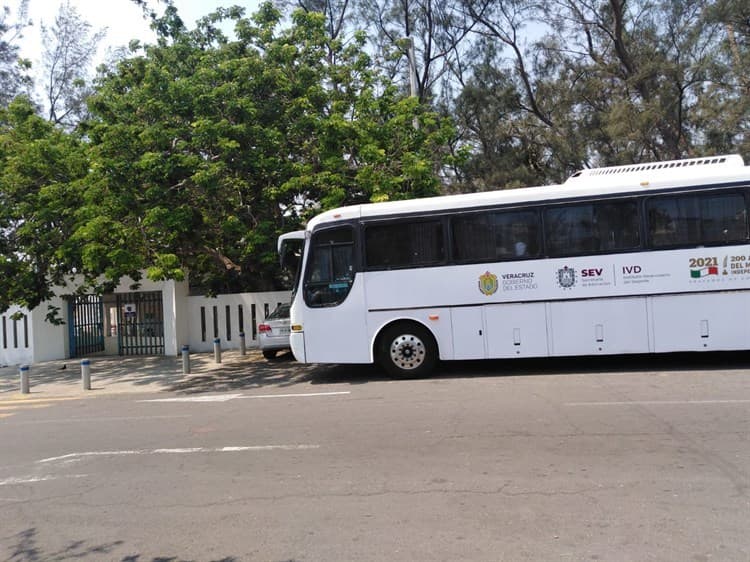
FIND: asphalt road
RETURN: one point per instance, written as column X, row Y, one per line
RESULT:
column 612, row 460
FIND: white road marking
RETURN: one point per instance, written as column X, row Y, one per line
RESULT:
column 657, row 402
column 99, row 419
column 227, row 397
column 178, row 451
column 305, row 395
column 32, row 479
column 212, row 398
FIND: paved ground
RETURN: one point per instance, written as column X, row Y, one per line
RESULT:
column 152, row 374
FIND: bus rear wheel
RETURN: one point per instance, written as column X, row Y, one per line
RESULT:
column 407, row 350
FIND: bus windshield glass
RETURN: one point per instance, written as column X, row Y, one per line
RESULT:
column 330, row 267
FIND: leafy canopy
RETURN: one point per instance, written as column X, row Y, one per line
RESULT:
column 205, row 148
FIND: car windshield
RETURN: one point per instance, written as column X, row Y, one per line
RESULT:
column 280, row 312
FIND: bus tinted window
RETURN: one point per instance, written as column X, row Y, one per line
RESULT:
column 592, row 228
column 404, row 244
column 495, row 236
column 330, row 267
column 696, row 219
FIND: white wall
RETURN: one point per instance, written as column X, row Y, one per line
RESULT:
column 15, row 347
column 201, row 335
column 182, row 322
column 50, row 341
column 174, row 302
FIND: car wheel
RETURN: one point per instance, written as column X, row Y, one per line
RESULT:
column 408, row 350
column 269, row 353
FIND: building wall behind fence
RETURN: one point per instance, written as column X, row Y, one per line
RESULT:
column 225, row 316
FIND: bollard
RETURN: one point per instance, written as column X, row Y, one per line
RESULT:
column 243, row 349
column 24, row 372
column 185, row 359
column 86, row 374
column 217, row 350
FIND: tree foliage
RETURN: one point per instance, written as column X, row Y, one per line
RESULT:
column 42, row 177
column 205, row 148
column 600, row 84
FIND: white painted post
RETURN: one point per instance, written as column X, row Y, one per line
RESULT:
column 86, row 374
column 217, row 350
column 243, row 349
column 185, row 359
column 24, row 372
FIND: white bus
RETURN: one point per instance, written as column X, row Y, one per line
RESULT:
column 626, row 259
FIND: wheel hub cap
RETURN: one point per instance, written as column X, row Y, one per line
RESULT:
column 407, row 352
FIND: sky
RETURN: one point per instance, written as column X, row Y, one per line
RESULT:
column 123, row 19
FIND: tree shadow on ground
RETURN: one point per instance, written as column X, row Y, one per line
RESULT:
column 164, row 373
column 281, row 371
column 237, row 372
column 25, row 547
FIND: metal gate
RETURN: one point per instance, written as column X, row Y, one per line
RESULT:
column 140, row 323
column 86, row 326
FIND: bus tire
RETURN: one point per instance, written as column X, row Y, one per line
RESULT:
column 407, row 350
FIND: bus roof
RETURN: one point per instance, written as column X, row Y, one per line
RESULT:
column 595, row 181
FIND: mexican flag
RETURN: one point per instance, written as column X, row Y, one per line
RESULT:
column 704, row 272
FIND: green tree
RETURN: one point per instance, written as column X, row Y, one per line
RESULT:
column 205, row 148
column 725, row 105
column 42, row 176
column 577, row 84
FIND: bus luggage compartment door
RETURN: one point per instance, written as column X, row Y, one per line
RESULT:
column 516, row 330
column 468, row 332
column 599, row 326
column 705, row 322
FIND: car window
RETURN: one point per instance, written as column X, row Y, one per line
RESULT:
column 281, row 311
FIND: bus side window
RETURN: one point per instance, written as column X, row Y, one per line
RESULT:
column 404, row 244
column 474, row 238
column 517, row 234
column 592, row 227
column 503, row 235
column 686, row 220
column 662, row 226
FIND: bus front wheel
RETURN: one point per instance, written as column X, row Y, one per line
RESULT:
column 407, row 350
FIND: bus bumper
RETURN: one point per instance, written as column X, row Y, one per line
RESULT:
column 297, row 343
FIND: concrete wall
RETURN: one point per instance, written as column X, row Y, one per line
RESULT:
column 207, row 318
column 15, row 338
column 195, row 321
column 176, row 330
column 50, row 341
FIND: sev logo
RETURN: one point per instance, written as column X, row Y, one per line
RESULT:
column 488, row 283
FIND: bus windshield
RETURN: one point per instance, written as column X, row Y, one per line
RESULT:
column 329, row 272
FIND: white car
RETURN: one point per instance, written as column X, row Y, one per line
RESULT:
column 273, row 332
